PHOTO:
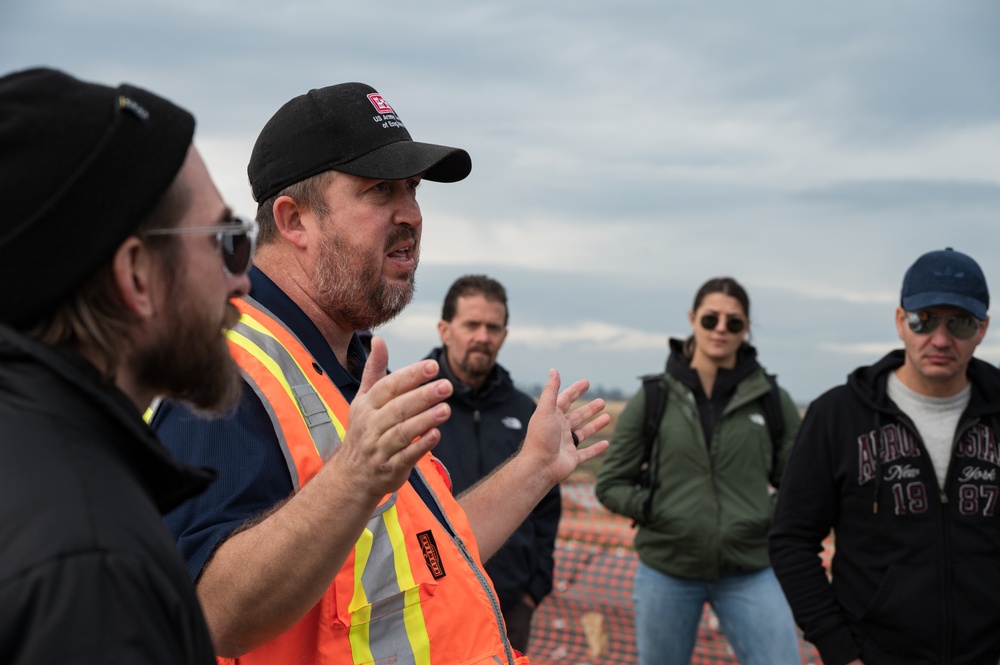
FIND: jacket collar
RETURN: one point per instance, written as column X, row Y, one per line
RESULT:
column 726, row 380
column 869, row 383
column 276, row 301
column 168, row 482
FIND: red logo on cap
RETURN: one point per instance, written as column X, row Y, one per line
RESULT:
column 379, row 103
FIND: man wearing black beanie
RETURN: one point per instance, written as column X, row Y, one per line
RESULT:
column 118, row 259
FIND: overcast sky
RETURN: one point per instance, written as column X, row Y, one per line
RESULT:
column 623, row 152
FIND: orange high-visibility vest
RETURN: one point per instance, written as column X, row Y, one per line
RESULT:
column 409, row 592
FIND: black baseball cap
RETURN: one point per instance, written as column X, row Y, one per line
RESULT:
column 350, row 128
column 83, row 164
column 946, row 277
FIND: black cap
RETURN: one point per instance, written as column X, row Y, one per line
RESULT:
column 82, row 165
column 946, row 277
column 350, row 128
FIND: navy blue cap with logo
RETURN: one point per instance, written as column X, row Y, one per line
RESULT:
column 946, row 277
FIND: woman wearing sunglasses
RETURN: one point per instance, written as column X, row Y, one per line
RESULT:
column 703, row 501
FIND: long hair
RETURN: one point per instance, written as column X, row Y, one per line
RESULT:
column 94, row 320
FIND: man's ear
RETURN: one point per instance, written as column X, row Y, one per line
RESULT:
column 288, row 219
column 443, row 331
column 901, row 323
column 133, row 270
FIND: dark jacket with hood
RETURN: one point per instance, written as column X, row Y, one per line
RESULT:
column 88, row 571
column 486, row 427
column 916, row 569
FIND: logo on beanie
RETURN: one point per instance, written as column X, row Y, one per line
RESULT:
column 127, row 104
column 379, row 103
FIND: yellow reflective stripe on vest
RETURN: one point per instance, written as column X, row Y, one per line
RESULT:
column 413, row 616
column 359, row 607
column 381, row 568
column 325, row 430
column 266, row 348
column 268, row 341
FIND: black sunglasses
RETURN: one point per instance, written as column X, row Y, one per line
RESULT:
column 961, row 326
column 237, row 240
column 734, row 324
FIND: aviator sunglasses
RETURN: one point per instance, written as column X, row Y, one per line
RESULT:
column 237, row 240
column 733, row 324
column 961, row 326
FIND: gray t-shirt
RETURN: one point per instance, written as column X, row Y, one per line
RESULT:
column 936, row 419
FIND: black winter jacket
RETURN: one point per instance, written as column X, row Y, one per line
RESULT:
column 88, row 571
column 916, row 570
column 486, row 427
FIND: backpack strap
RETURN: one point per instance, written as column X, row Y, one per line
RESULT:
column 771, row 402
column 656, row 406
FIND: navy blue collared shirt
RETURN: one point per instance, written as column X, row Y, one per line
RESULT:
column 242, row 446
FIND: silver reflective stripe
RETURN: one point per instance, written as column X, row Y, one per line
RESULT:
column 387, row 635
column 379, row 576
column 317, row 418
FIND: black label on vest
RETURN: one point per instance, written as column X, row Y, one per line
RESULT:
column 431, row 556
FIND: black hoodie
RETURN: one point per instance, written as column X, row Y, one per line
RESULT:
column 916, row 573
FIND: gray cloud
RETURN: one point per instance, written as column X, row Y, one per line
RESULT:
column 623, row 152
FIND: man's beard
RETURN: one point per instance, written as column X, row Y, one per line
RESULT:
column 478, row 366
column 351, row 288
column 191, row 361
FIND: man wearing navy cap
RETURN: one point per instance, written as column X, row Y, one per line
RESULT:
column 902, row 463
column 318, row 544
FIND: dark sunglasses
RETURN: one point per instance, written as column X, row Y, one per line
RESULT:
column 237, row 240
column 961, row 326
column 734, row 324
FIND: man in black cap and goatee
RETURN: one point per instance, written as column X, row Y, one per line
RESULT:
column 903, row 465
column 329, row 543
column 118, row 258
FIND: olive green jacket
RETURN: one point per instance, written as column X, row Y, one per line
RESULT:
column 712, row 510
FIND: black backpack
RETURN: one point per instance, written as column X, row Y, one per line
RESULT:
column 656, row 406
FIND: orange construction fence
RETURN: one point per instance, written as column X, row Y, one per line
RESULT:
column 588, row 618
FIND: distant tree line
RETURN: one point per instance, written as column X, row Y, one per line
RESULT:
column 607, row 394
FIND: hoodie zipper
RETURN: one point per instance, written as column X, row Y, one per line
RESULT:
column 944, row 523
column 946, row 544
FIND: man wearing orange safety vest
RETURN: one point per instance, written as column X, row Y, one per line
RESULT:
column 331, row 535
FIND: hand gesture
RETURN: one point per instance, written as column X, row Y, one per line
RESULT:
column 556, row 428
column 393, row 422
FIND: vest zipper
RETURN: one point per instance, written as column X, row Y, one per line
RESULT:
column 497, row 613
column 480, row 575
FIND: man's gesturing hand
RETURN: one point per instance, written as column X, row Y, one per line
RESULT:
column 393, row 422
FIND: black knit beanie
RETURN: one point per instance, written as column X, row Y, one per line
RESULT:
column 82, row 164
